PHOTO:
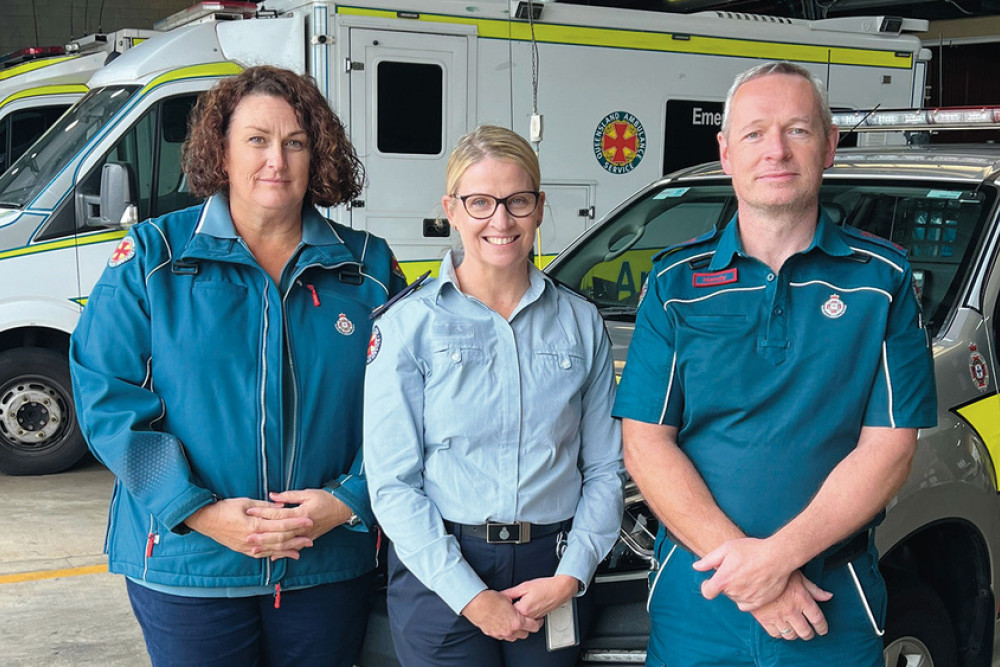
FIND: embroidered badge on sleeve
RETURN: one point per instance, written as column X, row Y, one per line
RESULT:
column 124, row 251
column 374, row 344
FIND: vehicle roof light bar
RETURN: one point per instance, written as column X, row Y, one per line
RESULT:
column 895, row 120
column 30, row 53
column 201, row 12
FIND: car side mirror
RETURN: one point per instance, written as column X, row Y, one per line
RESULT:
column 117, row 207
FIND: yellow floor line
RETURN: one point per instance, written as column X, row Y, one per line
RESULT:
column 51, row 574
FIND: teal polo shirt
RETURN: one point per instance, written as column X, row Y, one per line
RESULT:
column 768, row 376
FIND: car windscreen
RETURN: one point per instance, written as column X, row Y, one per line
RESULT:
column 937, row 223
column 36, row 168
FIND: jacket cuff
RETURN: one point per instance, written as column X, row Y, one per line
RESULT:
column 352, row 490
column 175, row 513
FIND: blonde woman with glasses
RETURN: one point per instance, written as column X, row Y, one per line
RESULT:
column 493, row 463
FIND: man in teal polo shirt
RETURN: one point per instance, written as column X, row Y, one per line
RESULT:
column 775, row 383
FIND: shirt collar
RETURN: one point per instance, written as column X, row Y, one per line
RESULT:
column 448, row 281
column 827, row 238
column 216, row 221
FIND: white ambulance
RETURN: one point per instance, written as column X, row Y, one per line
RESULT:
column 38, row 84
column 612, row 98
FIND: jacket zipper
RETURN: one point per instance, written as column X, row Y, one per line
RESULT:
column 296, row 280
column 152, row 538
column 263, row 414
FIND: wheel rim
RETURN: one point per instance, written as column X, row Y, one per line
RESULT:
column 34, row 414
column 908, row 652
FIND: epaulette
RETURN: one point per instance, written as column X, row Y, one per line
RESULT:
column 885, row 243
column 400, row 295
column 569, row 290
column 669, row 250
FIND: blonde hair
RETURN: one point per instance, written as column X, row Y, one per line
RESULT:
column 490, row 141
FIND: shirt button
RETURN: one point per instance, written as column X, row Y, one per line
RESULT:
column 778, row 311
column 565, row 363
column 770, row 277
column 456, row 357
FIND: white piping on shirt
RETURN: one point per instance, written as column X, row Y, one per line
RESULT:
column 844, row 290
column 871, row 254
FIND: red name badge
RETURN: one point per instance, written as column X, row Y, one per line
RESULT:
column 713, row 279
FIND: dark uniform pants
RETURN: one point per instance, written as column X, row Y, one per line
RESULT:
column 690, row 631
column 427, row 632
column 320, row 626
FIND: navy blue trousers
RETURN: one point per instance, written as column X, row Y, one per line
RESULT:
column 318, row 626
column 426, row 632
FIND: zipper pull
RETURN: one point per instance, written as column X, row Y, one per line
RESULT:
column 151, row 539
column 277, row 596
column 315, row 295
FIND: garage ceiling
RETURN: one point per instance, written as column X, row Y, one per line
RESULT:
column 934, row 10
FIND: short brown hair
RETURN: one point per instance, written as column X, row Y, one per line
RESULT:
column 336, row 175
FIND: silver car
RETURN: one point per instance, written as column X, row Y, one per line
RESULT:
column 941, row 535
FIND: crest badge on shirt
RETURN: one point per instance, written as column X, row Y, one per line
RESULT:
column 123, row 252
column 374, row 344
column 834, row 307
column 344, row 325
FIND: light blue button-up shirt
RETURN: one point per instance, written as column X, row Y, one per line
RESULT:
column 473, row 418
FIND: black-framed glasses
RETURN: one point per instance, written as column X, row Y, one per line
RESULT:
column 481, row 207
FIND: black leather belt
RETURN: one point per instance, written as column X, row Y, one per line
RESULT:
column 519, row 532
column 845, row 552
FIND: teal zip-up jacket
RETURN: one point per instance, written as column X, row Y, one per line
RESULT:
column 196, row 377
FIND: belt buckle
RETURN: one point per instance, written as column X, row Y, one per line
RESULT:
column 518, row 532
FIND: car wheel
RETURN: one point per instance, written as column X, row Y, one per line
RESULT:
column 918, row 631
column 39, row 432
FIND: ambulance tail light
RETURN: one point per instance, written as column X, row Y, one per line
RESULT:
column 895, row 120
column 30, row 53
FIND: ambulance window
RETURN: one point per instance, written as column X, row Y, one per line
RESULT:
column 21, row 128
column 410, row 107
column 29, row 124
column 171, row 186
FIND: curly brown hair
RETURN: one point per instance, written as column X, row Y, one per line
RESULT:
column 336, row 175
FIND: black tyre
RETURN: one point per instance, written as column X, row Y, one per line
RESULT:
column 918, row 630
column 39, row 433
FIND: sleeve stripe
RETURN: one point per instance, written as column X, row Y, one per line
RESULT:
column 670, row 385
column 888, row 385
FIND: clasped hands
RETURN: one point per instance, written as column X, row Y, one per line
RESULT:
column 516, row 612
column 262, row 529
column 753, row 574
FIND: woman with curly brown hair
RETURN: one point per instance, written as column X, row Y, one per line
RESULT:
column 218, row 372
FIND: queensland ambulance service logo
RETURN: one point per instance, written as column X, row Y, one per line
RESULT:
column 374, row 344
column 834, row 307
column 344, row 325
column 124, row 251
column 619, row 142
column 978, row 368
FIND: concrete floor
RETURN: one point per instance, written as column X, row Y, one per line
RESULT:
column 55, row 610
